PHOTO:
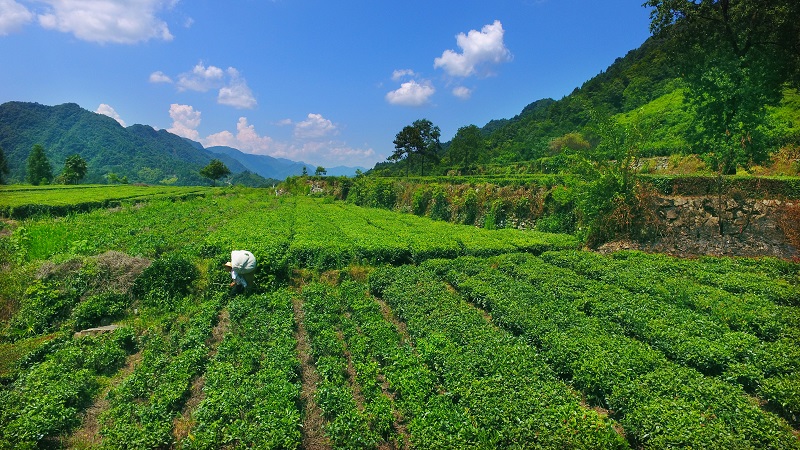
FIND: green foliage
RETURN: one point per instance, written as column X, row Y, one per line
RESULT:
column 97, row 309
column 440, row 208
column 420, row 140
column 47, row 400
column 251, row 386
column 3, row 167
column 420, row 202
column 215, row 170
column 472, row 342
column 74, row 169
column 42, row 308
column 165, row 280
column 737, row 56
column 143, row 407
column 39, row 169
column 466, row 148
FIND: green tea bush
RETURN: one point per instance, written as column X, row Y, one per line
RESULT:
column 167, row 278
column 92, row 311
column 47, row 400
column 43, row 307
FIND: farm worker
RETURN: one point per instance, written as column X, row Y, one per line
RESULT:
column 241, row 266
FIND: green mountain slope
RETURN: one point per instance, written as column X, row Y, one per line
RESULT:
column 138, row 152
column 642, row 90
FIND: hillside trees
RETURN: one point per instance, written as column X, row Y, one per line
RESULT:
column 466, row 147
column 737, row 56
column 420, row 139
column 39, row 169
column 3, row 167
column 215, row 170
column 74, row 169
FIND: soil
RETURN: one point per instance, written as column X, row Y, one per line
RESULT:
column 313, row 435
column 88, row 435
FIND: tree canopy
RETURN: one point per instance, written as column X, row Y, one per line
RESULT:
column 737, row 56
column 74, row 169
column 215, row 170
column 39, row 169
column 467, row 147
column 420, row 140
column 3, row 167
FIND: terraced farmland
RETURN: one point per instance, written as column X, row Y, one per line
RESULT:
column 375, row 329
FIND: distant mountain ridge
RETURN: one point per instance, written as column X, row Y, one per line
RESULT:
column 279, row 168
column 138, row 152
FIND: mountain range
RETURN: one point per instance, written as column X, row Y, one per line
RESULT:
column 139, row 153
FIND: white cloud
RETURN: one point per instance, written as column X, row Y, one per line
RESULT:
column 411, row 93
column 103, row 21
column 462, row 92
column 159, row 77
column 480, row 50
column 185, row 121
column 201, row 78
column 398, row 75
column 309, row 146
column 314, row 127
column 236, row 93
column 232, row 87
column 107, row 110
column 13, row 16
column 246, row 139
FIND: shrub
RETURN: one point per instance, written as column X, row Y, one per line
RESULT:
column 165, row 279
column 470, row 208
column 42, row 307
column 93, row 310
column 440, row 208
column 420, row 202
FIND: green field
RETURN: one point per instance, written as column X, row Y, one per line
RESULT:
column 375, row 329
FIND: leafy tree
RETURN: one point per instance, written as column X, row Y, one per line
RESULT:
column 466, row 147
column 305, row 171
column 737, row 56
column 320, row 171
column 215, row 170
column 404, row 144
column 429, row 135
column 420, row 139
column 574, row 142
column 74, row 169
column 39, row 169
column 3, row 167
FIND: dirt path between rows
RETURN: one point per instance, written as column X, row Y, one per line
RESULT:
column 183, row 424
column 313, row 434
column 88, row 435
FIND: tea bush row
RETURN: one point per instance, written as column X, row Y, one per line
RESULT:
column 659, row 403
column 510, row 393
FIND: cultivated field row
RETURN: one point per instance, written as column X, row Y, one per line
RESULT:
column 371, row 329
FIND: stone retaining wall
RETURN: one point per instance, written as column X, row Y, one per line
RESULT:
column 718, row 226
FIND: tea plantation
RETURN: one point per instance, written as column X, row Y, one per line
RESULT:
column 369, row 328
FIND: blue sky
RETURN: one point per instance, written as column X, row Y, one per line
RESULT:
column 328, row 83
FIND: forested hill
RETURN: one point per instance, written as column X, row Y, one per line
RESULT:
column 641, row 96
column 632, row 81
column 138, row 152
